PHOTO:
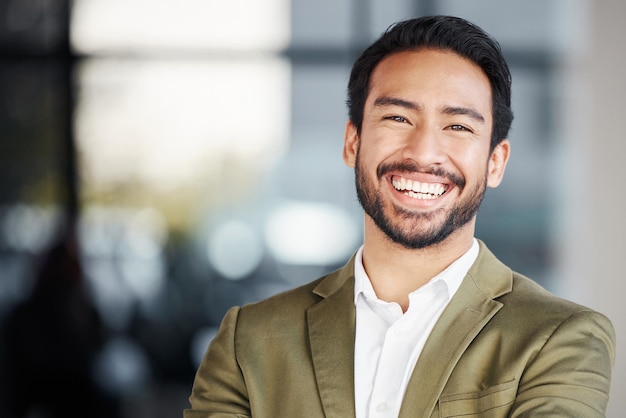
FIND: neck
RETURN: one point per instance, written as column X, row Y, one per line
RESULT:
column 395, row 271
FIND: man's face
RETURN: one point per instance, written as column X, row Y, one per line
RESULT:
column 423, row 160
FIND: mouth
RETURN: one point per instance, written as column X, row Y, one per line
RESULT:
column 417, row 189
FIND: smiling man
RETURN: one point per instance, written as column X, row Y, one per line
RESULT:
column 423, row 157
column 423, row 321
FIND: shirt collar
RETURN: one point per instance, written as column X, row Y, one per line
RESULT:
column 452, row 276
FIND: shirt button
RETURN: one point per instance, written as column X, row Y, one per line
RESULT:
column 381, row 407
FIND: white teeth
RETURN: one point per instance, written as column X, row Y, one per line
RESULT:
column 399, row 183
column 418, row 190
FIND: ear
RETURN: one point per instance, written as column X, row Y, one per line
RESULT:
column 497, row 163
column 350, row 144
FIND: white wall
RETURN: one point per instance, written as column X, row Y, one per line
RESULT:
column 608, row 175
column 594, row 239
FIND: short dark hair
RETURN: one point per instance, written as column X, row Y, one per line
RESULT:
column 442, row 33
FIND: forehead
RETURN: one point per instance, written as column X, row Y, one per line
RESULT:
column 431, row 77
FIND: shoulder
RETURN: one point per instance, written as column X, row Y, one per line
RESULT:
column 527, row 310
column 523, row 300
column 292, row 301
column 536, row 310
column 528, row 295
column 291, row 306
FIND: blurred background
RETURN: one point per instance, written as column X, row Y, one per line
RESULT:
column 161, row 161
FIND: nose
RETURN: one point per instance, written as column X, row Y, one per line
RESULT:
column 424, row 147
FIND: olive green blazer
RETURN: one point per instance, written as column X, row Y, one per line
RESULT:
column 504, row 347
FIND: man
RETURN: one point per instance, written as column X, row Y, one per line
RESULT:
column 423, row 321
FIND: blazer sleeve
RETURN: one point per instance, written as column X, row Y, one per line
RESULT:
column 570, row 375
column 219, row 390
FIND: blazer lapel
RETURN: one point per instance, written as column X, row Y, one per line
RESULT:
column 468, row 312
column 331, row 336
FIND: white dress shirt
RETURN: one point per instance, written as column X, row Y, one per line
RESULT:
column 388, row 342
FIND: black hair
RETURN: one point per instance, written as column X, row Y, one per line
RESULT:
column 443, row 33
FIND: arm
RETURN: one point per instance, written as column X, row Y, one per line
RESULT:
column 571, row 374
column 219, row 390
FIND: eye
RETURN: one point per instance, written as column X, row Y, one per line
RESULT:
column 459, row 128
column 397, row 118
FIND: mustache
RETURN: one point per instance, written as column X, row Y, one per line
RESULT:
column 409, row 166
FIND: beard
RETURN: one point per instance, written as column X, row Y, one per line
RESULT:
column 415, row 230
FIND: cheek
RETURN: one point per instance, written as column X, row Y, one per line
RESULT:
column 366, row 154
column 364, row 162
column 473, row 165
column 369, row 163
column 375, row 150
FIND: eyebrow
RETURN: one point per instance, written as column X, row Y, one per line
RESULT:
column 467, row 111
column 447, row 110
column 394, row 101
